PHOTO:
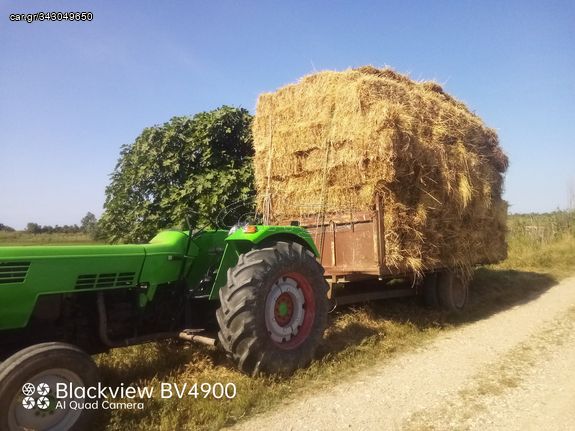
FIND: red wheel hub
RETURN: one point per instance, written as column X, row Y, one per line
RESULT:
column 283, row 310
column 290, row 310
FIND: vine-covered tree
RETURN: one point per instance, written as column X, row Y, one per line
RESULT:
column 190, row 167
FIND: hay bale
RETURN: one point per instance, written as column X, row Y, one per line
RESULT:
column 336, row 141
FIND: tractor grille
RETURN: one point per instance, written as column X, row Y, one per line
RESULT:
column 121, row 279
column 13, row 272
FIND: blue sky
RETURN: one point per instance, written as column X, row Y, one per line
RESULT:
column 72, row 93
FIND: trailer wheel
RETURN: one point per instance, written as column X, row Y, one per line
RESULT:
column 453, row 291
column 273, row 309
column 28, row 382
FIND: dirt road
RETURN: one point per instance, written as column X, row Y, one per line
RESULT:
column 514, row 370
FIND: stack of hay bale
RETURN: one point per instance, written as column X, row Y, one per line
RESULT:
column 335, row 142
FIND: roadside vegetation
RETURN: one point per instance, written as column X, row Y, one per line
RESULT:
column 542, row 243
column 541, row 252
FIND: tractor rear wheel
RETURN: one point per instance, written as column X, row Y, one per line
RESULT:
column 28, row 381
column 453, row 291
column 273, row 309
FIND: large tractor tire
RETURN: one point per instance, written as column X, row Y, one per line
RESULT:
column 273, row 309
column 28, row 382
column 452, row 291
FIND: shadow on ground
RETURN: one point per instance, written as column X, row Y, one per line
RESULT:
column 491, row 291
column 356, row 333
column 495, row 290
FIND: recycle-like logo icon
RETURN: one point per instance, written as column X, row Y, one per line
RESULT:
column 28, row 389
column 28, row 403
column 43, row 389
column 43, row 403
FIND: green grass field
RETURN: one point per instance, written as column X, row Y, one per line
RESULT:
column 24, row 238
column 542, row 251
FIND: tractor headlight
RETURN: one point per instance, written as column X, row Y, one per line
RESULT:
column 250, row 228
column 246, row 228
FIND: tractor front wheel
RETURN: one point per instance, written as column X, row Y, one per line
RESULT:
column 273, row 309
column 28, row 388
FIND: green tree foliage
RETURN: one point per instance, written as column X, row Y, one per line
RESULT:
column 4, row 228
column 190, row 166
column 89, row 225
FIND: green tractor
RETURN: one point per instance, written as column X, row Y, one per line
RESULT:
column 59, row 304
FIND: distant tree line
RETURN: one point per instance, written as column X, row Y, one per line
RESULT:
column 36, row 228
column 88, row 225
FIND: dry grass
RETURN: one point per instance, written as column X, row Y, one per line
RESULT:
column 357, row 338
column 335, row 140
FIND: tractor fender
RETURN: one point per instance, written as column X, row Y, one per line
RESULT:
column 239, row 242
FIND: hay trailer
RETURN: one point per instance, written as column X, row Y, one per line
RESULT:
column 353, row 255
column 394, row 178
column 261, row 286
